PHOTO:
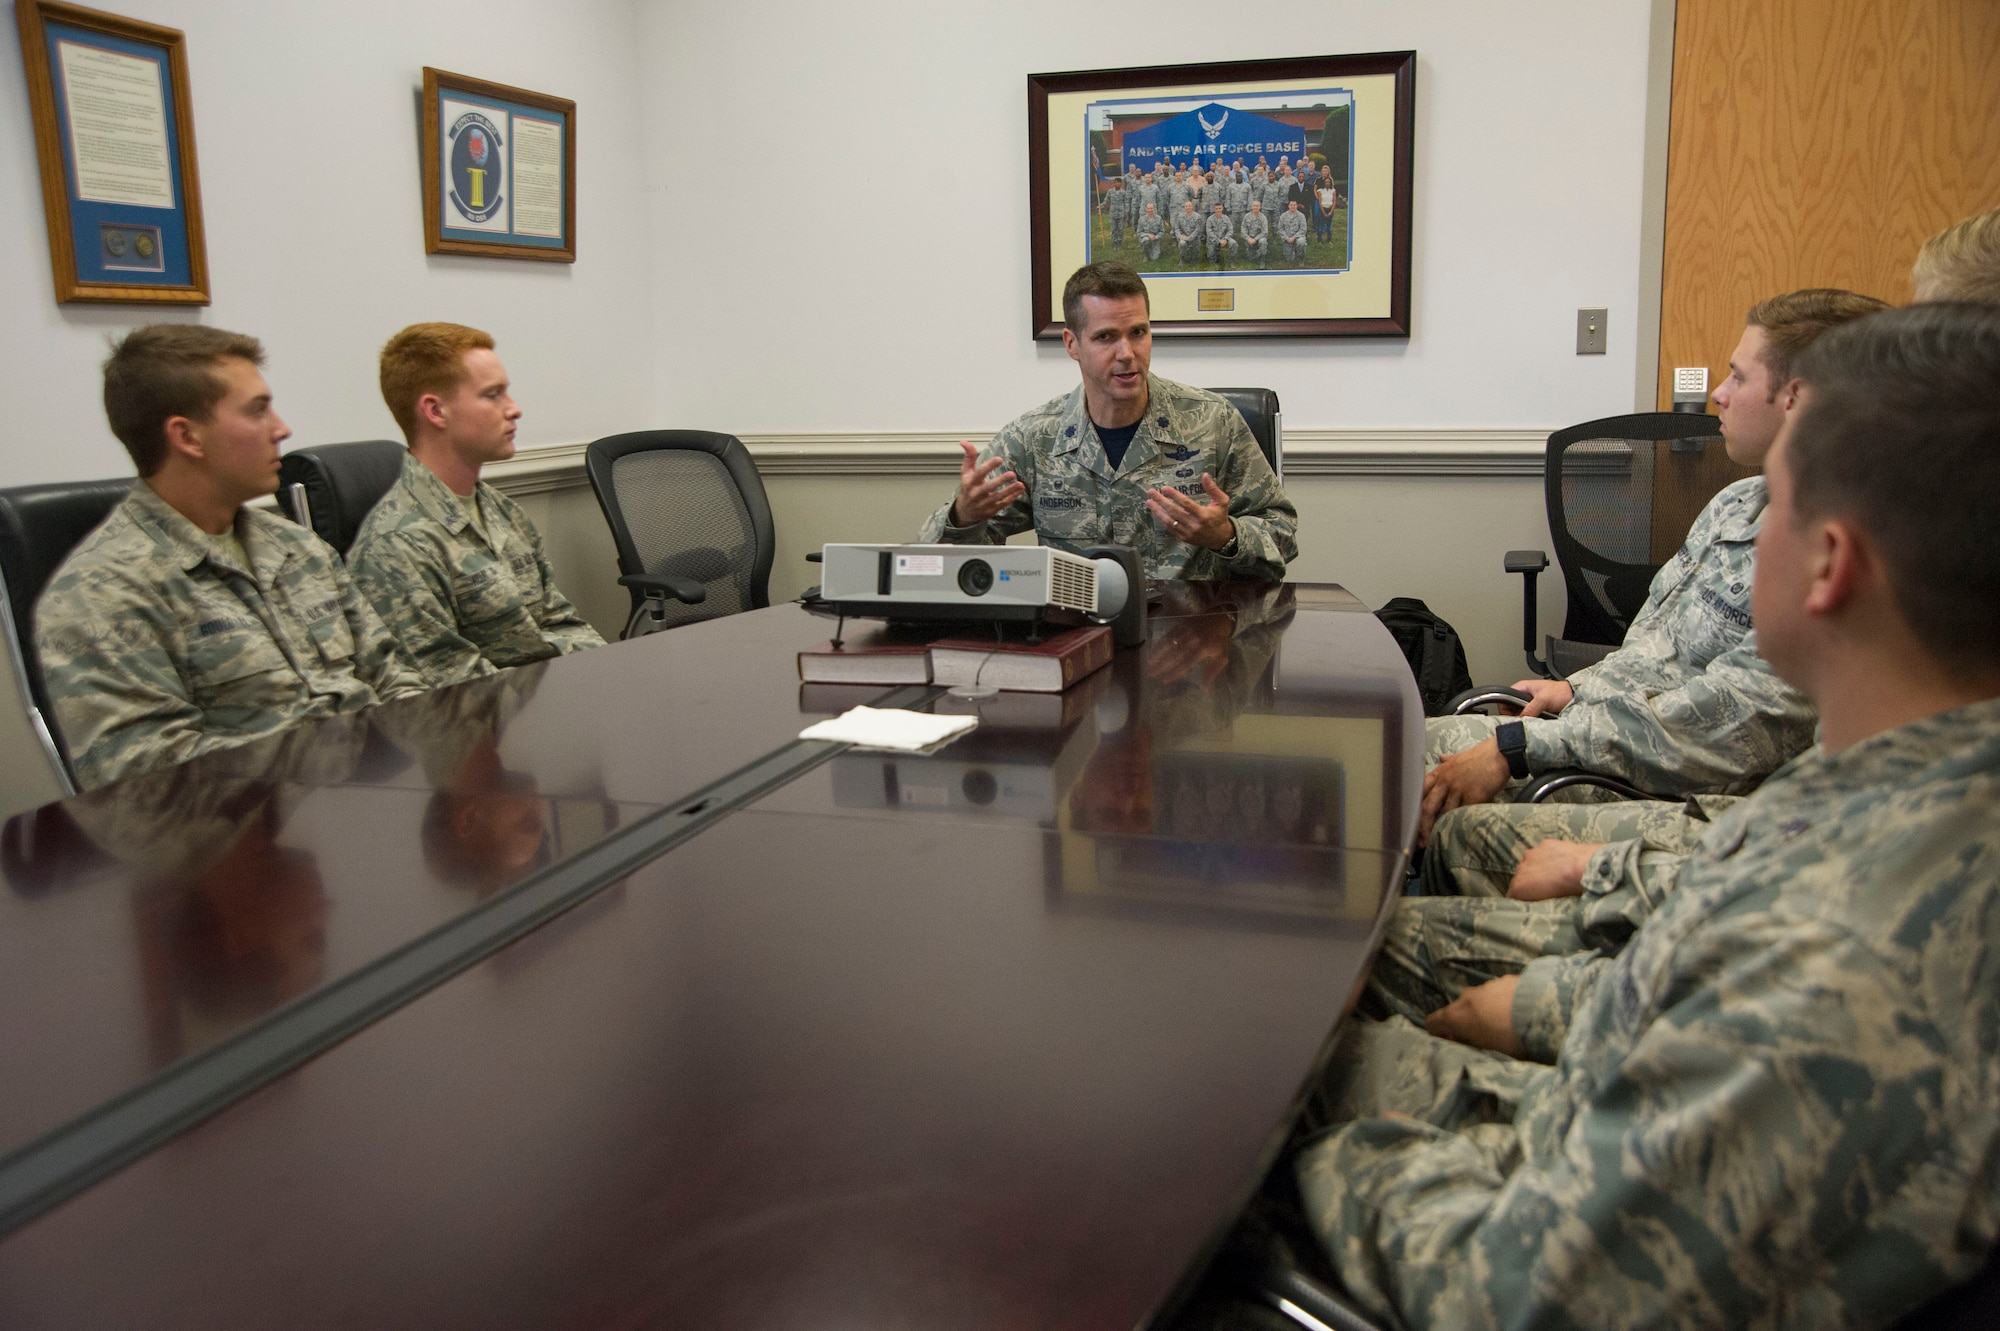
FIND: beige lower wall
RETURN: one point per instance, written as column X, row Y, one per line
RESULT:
column 1437, row 538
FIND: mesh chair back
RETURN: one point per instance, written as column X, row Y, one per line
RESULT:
column 1259, row 408
column 1622, row 494
column 341, row 483
column 688, row 504
column 39, row 526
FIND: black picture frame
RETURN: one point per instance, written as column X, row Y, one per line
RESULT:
column 1379, row 168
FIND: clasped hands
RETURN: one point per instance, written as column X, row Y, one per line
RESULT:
column 1483, row 1015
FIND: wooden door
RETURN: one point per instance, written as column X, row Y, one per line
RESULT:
column 1817, row 143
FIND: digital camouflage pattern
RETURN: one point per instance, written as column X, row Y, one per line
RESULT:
column 1256, row 236
column 462, row 602
column 1075, row 499
column 157, row 645
column 1150, row 229
column 1187, row 234
column 1685, row 704
column 1220, row 233
column 1777, row 1108
column 1292, row 230
column 1437, row 946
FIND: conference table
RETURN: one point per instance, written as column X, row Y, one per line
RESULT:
column 589, row 995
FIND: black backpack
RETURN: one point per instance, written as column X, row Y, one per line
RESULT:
column 1436, row 656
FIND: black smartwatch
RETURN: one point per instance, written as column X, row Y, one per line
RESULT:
column 1512, row 737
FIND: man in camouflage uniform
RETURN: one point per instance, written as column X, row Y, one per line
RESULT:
column 1118, row 207
column 1776, row 1106
column 1292, row 230
column 1178, row 194
column 1150, row 231
column 1220, row 238
column 1149, row 196
column 1127, row 458
column 455, row 567
column 1188, row 233
column 1236, row 199
column 1685, row 705
column 1256, row 234
column 1276, row 192
column 186, row 622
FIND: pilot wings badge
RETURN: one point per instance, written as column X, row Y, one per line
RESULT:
column 1214, row 131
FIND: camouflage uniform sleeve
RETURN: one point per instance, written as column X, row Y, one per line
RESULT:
column 1623, row 884
column 560, row 621
column 400, row 605
column 1012, row 444
column 1685, row 1184
column 109, row 657
column 1723, row 730
column 1267, row 525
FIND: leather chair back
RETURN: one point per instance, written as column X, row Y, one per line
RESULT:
column 338, row 484
column 39, row 526
column 1259, row 407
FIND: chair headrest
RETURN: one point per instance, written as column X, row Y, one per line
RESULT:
column 343, row 482
column 41, row 524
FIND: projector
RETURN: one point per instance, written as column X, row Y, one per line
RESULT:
column 968, row 582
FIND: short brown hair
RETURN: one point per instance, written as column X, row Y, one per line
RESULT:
column 1108, row 278
column 1900, row 430
column 425, row 358
column 165, row 370
column 1792, row 322
column 1961, row 262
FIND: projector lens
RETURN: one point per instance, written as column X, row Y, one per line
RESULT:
column 975, row 577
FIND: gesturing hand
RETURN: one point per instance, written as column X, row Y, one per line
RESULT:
column 1482, row 1016
column 983, row 489
column 1206, row 525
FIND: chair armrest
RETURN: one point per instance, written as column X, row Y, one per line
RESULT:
column 1275, row 1282
column 1491, row 695
column 658, row 584
column 1545, row 784
column 1527, row 561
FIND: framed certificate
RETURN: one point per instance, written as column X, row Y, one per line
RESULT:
column 115, row 137
column 1263, row 198
column 499, row 170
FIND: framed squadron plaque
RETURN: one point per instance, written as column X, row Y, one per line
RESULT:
column 1266, row 198
column 499, row 170
column 115, row 139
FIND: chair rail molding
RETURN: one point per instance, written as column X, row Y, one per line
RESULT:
column 1400, row 451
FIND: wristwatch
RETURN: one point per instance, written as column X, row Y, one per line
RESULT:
column 1512, row 737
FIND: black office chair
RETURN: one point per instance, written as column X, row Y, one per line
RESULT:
column 331, row 487
column 1259, row 407
column 1622, row 493
column 39, row 526
column 688, row 514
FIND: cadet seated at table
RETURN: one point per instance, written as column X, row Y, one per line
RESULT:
column 186, row 621
column 1776, row 1107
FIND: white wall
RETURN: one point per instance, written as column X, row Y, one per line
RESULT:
column 914, row 315
column 305, row 120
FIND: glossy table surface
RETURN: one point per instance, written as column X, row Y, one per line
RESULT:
column 997, row 1037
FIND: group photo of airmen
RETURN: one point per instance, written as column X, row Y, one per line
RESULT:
column 1190, row 216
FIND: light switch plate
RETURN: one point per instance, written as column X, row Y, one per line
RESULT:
column 1590, row 332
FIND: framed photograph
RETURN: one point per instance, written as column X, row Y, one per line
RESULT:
column 499, row 170
column 114, row 133
column 1266, row 198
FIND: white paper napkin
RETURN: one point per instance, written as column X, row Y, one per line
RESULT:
column 892, row 729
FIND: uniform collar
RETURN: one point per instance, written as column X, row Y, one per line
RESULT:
column 1076, row 434
column 1746, row 510
column 436, row 498
column 190, row 545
